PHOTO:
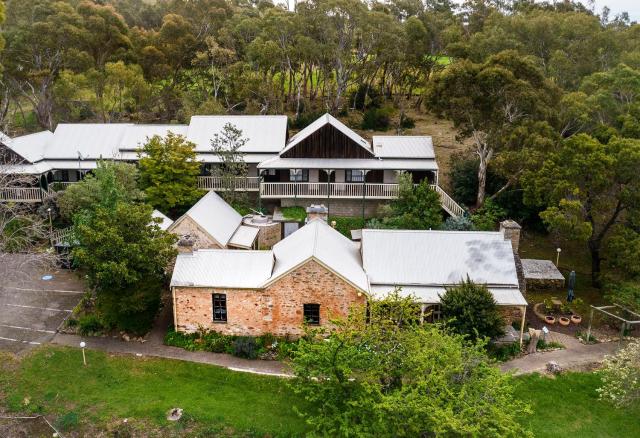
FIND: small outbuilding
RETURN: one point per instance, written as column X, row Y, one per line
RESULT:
column 541, row 274
column 212, row 223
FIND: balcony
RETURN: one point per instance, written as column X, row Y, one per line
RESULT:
column 331, row 190
column 248, row 184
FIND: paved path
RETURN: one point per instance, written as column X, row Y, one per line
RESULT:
column 114, row 345
column 574, row 355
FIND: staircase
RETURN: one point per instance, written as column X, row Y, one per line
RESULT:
column 448, row 203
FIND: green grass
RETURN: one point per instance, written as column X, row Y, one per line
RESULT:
column 346, row 224
column 298, row 214
column 111, row 388
column 568, row 406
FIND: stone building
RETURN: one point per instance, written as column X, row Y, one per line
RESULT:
column 212, row 223
column 315, row 274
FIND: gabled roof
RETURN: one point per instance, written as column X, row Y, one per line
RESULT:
column 318, row 241
column 89, row 140
column 403, row 146
column 30, row 147
column 326, row 119
column 135, row 136
column 215, row 217
column 264, row 133
column 222, row 268
column 420, row 257
column 165, row 221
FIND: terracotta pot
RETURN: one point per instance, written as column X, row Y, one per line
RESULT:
column 576, row 319
column 564, row 321
column 550, row 319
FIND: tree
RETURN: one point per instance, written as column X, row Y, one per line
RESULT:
column 108, row 183
column 470, row 310
column 125, row 255
column 232, row 168
column 415, row 208
column 588, row 188
column 381, row 373
column 169, row 172
column 621, row 376
column 486, row 102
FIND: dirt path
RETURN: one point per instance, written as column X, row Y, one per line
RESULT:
column 574, row 355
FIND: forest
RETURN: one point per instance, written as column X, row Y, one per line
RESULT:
column 545, row 94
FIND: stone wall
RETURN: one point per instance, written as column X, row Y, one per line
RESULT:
column 340, row 207
column 200, row 239
column 277, row 309
column 269, row 235
column 511, row 314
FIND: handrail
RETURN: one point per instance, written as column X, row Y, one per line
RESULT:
column 250, row 183
column 21, row 194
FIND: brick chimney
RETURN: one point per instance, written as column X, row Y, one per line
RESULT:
column 315, row 211
column 511, row 231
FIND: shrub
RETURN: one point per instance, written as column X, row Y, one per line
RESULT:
column 406, row 122
column 503, row 353
column 470, row 310
column 89, row 324
column 345, row 224
column 487, row 217
column 377, row 119
column 458, row 223
column 246, row 347
column 621, row 376
column 298, row 214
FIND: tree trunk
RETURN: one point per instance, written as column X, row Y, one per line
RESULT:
column 596, row 260
column 482, row 181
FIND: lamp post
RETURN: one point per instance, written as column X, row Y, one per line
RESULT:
column 84, row 358
column 558, row 250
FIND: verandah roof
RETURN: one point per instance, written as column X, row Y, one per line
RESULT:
column 349, row 163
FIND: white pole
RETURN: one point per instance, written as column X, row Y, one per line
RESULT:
column 523, row 309
column 84, row 358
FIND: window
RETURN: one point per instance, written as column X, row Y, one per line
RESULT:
column 312, row 314
column 355, row 176
column 299, row 175
column 219, row 307
column 61, row 175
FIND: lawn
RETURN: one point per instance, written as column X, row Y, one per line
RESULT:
column 112, row 388
column 219, row 402
column 568, row 406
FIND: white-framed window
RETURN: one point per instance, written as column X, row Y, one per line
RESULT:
column 299, row 175
column 354, row 176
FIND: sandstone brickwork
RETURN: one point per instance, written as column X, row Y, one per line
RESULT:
column 276, row 309
column 201, row 240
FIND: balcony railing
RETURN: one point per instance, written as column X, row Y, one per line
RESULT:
column 248, row 184
column 348, row 191
column 331, row 190
column 21, row 194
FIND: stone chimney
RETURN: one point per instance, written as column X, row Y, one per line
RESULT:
column 511, row 231
column 315, row 211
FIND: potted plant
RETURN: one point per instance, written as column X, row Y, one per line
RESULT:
column 563, row 320
column 576, row 319
column 550, row 319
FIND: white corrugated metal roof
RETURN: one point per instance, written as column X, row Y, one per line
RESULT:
column 318, row 240
column 348, row 163
column 216, row 217
column 264, row 133
column 90, row 140
column 244, row 237
column 26, row 169
column 30, row 147
column 165, row 221
column 505, row 296
column 319, row 123
column 437, row 258
column 403, row 146
column 223, row 268
column 136, row 136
